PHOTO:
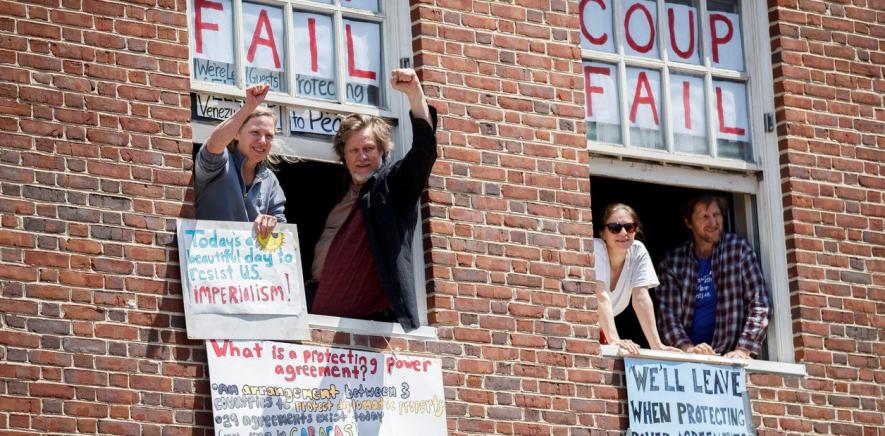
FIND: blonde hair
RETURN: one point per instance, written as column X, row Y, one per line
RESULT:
column 353, row 123
column 272, row 160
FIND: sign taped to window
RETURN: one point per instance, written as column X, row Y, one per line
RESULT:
column 239, row 286
column 315, row 46
column 684, row 398
column 264, row 45
column 214, row 108
column 639, row 26
column 363, row 44
column 211, row 41
column 264, row 387
column 314, row 121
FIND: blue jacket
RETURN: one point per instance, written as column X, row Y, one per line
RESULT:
column 222, row 195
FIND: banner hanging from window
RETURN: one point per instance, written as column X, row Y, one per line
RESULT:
column 263, row 387
column 683, row 398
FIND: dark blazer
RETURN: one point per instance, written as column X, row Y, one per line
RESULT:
column 388, row 201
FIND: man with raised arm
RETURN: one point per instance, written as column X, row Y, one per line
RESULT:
column 362, row 264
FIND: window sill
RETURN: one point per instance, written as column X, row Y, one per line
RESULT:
column 762, row 366
column 370, row 328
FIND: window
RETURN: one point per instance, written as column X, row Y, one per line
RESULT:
column 677, row 93
column 676, row 69
column 321, row 58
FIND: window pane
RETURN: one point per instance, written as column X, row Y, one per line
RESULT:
column 363, row 57
column 212, row 41
column 264, row 46
column 371, row 5
column 596, row 25
column 725, row 39
column 687, row 113
column 639, row 20
column 644, row 97
column 732, row 125
column 314, row 50
column 684, row 35
column 602, row 116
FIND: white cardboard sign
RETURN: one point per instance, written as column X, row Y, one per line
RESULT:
column 682, row 27
column 263, row 37
column 263, row 387
column 363, row 42
column 684, row 398
column 687, row 105
column 228, row 273
column 596, row 25
column 601, row 90
column 644, row 97
column 212, row 30
column 314, row 121
column 725, row 41
column 640, row 19
column 731, row 111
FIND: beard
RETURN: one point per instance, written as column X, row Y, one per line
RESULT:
column 711, row 237
column 359, row 179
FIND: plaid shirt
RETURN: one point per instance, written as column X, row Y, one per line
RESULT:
column 741, row 296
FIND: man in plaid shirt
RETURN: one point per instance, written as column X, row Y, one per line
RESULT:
column 712, row 296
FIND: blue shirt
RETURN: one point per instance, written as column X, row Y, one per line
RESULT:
column 704, row 322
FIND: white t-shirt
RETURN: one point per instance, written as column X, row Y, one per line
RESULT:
column 638, row 272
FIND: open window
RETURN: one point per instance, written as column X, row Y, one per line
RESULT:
column 322, row 58
column 660, row 210
column 679, row 97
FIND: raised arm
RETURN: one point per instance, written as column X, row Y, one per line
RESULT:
column 226, row 132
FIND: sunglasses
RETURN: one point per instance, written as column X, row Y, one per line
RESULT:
column 616, row 228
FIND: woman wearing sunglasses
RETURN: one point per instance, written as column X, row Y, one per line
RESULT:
column 624, row 273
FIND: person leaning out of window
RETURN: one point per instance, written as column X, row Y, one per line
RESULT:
column 233, row 177
column 624, row 273
column 713, row 298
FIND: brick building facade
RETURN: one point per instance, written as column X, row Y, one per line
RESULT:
column 95, row 166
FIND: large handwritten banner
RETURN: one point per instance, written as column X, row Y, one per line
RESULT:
column 273, row 388
column 231, row 277
column 686, row 399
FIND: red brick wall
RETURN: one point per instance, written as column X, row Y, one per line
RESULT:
column 94, row 168
column 95, row 164
column 828, row 62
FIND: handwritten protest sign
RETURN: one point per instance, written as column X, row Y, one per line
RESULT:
column 686, row 399
column 635, row 28
column 206, row 107
column 263, row 387
column 313, row 121
column 232, row 278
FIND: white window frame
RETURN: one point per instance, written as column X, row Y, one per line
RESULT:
column 396, row 52
column 759, row 180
